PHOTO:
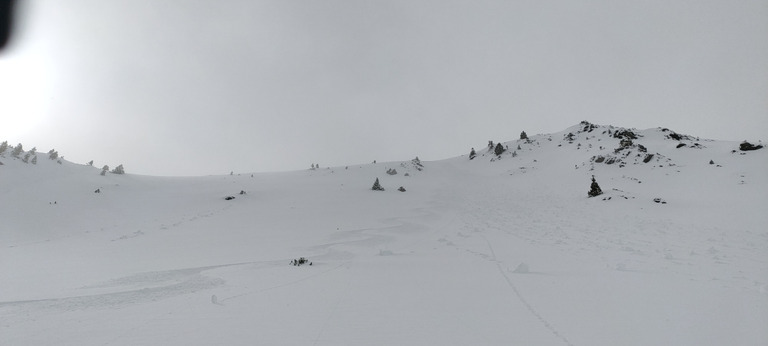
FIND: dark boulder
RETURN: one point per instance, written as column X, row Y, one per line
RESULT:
column 746, row 146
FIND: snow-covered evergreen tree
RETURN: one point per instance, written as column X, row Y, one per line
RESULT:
column 472, row 154
column 34, row 160
column 104, row 170
column 417, row 164
column 377, row 186
column 53, row 154
column 3, row 147
column 17, row 150
column 523, row 135
column 118, row 170
column 594, row 189
column 26, row 158
column 499, row 149
column 90, row 163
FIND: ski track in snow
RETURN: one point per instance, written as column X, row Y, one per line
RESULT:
column 305, row 278
column 483, row 214
column 154, row 286
column 522, row 299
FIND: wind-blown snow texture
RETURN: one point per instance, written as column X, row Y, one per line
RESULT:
column 491, row 251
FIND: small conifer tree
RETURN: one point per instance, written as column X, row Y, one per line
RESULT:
column 104, row 170
column 118, row 170
column 594, row 189
column 523, row 135
column 34, row 160
column 17, row 150
column 377, row 186
column 472, row 154
column 499, row 149
column 53, row 154
column 3, row 147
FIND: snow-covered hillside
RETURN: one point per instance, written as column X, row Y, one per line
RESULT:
column 498, row 250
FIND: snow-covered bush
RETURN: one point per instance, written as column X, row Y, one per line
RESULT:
column 300, row 261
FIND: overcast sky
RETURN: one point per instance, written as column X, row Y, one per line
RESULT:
column 198, row 87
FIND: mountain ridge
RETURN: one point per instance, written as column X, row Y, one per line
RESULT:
column 581, row 132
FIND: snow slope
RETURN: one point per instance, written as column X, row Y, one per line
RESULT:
column 498, row 250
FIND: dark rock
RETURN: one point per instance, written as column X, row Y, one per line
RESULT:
column 746, row 146
column 648, row 158
column 625, row 134
column 625, row 143
column 599, row 159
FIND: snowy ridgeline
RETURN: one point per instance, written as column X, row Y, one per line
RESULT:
column 504, row 248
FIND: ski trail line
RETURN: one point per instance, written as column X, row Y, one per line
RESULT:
column 284, row 284
column 522, row 299
column 332, row 312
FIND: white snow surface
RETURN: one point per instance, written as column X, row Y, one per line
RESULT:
column 492, row 251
